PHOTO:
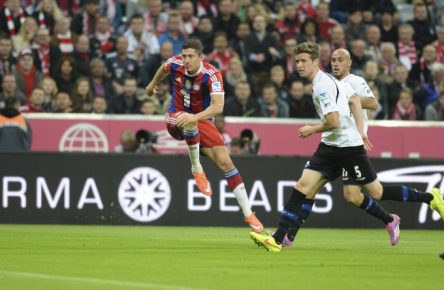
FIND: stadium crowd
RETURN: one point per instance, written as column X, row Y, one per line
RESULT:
column 97, row 56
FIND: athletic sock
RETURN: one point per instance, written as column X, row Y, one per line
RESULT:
column 296, row 211
column 236, row 184
column 192, row 138
column 404, row 193
column 374, row 209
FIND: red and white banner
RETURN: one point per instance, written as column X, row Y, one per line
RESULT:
column 100, row 133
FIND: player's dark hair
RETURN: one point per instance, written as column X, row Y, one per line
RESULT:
column 193, row 43
column 308, row 47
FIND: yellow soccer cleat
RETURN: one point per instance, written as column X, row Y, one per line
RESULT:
column 266, row 241
column 437, row 203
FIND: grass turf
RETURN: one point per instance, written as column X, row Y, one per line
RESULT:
column 173, row 258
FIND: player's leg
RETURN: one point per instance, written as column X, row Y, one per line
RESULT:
column 407, row 194
column 220, row 156
column 191, row 136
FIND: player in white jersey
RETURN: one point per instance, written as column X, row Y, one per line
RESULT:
column 342, row 146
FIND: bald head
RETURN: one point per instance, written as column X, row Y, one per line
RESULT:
column 340, row 63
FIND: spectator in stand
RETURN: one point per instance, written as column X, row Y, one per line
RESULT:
column 430, row 92
column 82, row 55
column 121, row 65
column 163, row 97
column 340, row 9
column 7, row 59
column 372, row 76
column 70, row 8
column 226, row 20
column 337, row 38
column 127, row 102
column 358, row 56
column 405, row 108
column 103, row 41
column 82, row 96
column 35, row 103
column 204, row 32
column 326, row 24
column 46, row 56
column 238, row 42
column 289, row 26
column 435, row 110
column 400, row 81
column 100, row 84
column 222, row 54
column 62, row 37
column 242, row 104
column 85, row 21
column 149, row 69
column 189, row 21
column 47, row 13
column 420, row 72
column 66, row 74
column 263, row 52
column 206, row 7
column 15, row 131
column 288, row 60
column 388, row 61
column 155, row 20
column 234, row 75
column 309, row 31
column 10, row 89
column 148, row 107
column 173, row 33
column 128, row 143
column 373, row 37
column 141, row 44
column 25, row 72
column 99, row 105
column 355, row 28
column 423, row 27
column 389, row 30
column 49, row 87
column 324, row 56
column 300, row 104
column 25, row 36
column 272, row 107
column 406, row 49
column 63, row 103
column 12, row 16
column 305, row 9
column 439, row 45
column 277, row 77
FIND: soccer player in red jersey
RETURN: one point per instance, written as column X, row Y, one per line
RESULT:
column 198, row 96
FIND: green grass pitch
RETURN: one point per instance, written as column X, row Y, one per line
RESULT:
column 34, row 257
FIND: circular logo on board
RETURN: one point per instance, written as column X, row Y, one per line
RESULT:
column 83, row 137
column 144, row 194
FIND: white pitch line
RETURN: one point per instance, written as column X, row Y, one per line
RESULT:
column 95, row 281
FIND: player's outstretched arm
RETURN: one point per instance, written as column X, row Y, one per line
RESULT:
column 152, row 89
column 370, row 103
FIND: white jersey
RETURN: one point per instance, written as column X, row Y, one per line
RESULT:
column 361, row 89
column 331, row 95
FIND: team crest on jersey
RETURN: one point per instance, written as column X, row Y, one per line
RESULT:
column 216, row 87
column 188, row 84
column 196, row 87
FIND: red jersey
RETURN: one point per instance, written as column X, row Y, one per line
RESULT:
column 192, row 93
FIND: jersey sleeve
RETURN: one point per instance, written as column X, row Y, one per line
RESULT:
column 362, row 89
column 326, row 94
column 168, row 64
column 216, row 84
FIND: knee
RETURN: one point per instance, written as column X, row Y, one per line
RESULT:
column 376, row 192
column 303, row 187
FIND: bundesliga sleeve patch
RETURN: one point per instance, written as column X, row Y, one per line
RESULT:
column 216, row 87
